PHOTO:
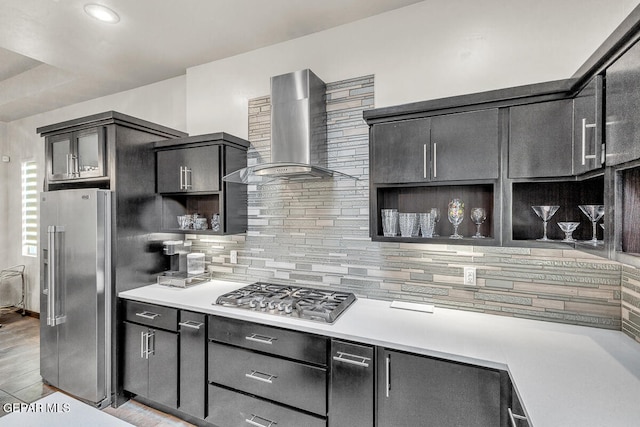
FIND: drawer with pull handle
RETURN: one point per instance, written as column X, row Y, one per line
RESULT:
column 234, row 409
column 281, row 342
column 292, row 383
column 157, row 316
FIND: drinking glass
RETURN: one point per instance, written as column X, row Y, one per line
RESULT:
column 408, row 222
column 215, row 222
column 568, row 228
column 545, row 213
column 426, row 224
column 435, row 213
column 455, row 213
column 389, row 222
column 594, row 213
column 184, row 221
column 478, row 216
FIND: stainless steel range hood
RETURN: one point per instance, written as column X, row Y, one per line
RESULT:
column 298, row 132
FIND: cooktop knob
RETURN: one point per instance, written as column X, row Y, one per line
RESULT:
column 288, row 308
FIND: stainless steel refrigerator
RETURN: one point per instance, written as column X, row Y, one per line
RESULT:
column 75, row 293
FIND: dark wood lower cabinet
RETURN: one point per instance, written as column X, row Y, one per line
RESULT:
column 150, row 363
column 193, row 365
column 228, row 408
column 228, row 373
column 415, row 390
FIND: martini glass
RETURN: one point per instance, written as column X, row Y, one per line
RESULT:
column 478, row 216
column 594, row 213
column 545, row 213
column 568, row 228
column 455, row 214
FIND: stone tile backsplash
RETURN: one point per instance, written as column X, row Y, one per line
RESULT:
column 315, row 233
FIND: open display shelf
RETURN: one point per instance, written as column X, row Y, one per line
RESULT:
column 189, row 204
column 422, row 198
column 527, row 226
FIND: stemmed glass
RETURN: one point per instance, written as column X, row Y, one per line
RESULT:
column 568, row 227
column 455, row 213
column 435, row 213
column 478, row 216
column 545, row 213
column 594, row 213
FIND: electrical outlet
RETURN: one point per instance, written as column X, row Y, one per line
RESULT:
column 234, row 257
column 470, row 276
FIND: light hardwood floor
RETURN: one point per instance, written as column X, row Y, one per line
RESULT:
column 20, row 380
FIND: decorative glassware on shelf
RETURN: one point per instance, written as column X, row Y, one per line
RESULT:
column 478, row 216
column 435, row 213
column 389, row 222
column 594, row 213
column 215, row 222
column 408, row 224
column 568, row 228
column 455, row 213
column 545, row 213
column 426, row 224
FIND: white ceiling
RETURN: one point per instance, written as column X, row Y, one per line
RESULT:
column 52, row 54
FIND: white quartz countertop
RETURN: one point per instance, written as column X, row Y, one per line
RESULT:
column 565, row 375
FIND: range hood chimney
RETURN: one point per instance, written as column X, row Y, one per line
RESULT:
column 298, row 131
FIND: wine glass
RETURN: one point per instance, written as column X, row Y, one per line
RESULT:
column 435, row 213
column 478, row 216
column 545, row 213
column 455, row 213
column 568, row 228
column 594, row 213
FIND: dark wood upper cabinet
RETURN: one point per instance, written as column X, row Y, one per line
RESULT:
column 540, row 139
column 588, row 127
column 194, row 169
column 622, row 107
column 464, row 146
column 400, row 152
column 189, row 180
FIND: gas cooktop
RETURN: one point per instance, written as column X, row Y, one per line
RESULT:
column 293, row 301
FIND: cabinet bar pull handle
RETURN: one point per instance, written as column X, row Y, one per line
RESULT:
column 255, row 423
column 260, row 376
column 424, row 160
column 388, row 376
column 513, row 417
column 143, row 350
column 435, row 159
column 151, row 344
column 187, row 178
column 584, row 140
column 148, row 315
column 182, row 177
column 349, row 358
column 191, row 324
column 262, row 339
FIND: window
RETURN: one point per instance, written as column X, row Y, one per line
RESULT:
column 29, row 209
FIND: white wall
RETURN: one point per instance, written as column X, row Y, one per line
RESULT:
column 429, row 50
column 163, row 103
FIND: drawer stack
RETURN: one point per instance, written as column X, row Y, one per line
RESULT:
column 262, row 375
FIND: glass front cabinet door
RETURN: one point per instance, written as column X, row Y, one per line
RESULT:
column 76, row 155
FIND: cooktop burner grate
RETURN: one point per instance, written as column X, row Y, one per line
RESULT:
column 293, row 301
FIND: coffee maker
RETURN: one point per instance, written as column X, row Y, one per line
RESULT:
column 177, row 275
column 176, row 252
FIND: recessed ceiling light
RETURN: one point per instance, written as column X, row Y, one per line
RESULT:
column 101, row 13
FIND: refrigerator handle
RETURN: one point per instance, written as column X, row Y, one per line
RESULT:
column 51, row 271
column 53, row 318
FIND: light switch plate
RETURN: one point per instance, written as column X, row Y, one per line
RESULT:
column 6, row 159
